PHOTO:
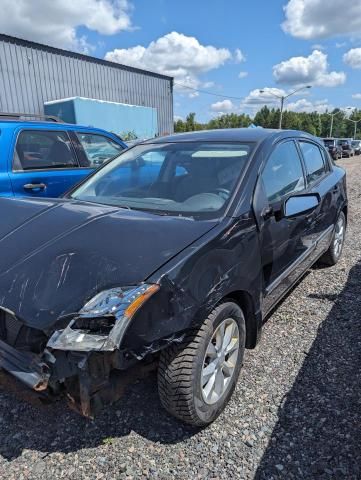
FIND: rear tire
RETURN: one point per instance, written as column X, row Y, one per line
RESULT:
column 334, row 252
column 186, row 370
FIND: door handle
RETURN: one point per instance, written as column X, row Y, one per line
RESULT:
column 34, row 186
column 267, row 213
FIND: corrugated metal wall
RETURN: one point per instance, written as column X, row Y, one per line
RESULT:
column 31, row 74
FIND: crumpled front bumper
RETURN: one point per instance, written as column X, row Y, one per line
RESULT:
column 25, row 366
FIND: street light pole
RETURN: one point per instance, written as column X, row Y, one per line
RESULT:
column 283, row 98
column 331, row 127
column 355, row 122
column 332, row 115
column 281, row 112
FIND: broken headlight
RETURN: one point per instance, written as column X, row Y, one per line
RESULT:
column 102, row 322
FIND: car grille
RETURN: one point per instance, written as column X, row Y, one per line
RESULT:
column 18, row 335
column 12, row 328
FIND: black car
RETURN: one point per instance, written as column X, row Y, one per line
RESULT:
column 173, row 254
column 334, row 148
column 347, row 148
column 356, row 145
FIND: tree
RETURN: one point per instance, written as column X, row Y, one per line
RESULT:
column 315, row 123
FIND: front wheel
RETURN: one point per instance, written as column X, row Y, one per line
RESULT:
column 333, row 254
column 197, row 377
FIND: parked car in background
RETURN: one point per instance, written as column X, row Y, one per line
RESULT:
column 45, row 157
column 347, row 148
column 178, row 267
column 356, row 145
column 334, row 148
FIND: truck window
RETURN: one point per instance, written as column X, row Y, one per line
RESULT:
column 40, row 150
column 98, row 148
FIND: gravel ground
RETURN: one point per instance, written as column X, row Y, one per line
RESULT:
column 295, row 413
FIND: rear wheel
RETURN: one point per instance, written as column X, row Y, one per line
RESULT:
column 333, row 254
column 197, row 377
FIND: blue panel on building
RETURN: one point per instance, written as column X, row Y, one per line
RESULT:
column 119, row 118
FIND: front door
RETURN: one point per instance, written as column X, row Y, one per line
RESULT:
column 285, row 243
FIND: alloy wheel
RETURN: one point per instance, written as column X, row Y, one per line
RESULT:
column 220, row 361
column 339, row 236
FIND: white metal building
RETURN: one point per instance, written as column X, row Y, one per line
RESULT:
column 31, row 74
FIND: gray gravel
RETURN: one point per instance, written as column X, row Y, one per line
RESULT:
column 295, row 413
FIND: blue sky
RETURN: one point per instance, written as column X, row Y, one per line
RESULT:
column 206, row 44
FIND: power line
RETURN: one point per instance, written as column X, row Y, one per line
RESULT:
column 206, row 92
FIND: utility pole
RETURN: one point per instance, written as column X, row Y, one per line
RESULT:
column 283, row 98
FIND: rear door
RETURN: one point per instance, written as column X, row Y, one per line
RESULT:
column 95, row 148
column 43, row 163
column 320, row 181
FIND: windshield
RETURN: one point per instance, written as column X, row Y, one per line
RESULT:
column 356, row 143
column 187, row 179
column 329, row 143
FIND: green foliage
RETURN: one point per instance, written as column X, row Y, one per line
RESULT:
column 128, row 136
column 314, row 123
column 108, row 441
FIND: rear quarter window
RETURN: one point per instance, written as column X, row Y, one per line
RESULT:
column 316, row 166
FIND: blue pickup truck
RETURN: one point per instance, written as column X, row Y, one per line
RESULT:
column 45, row 157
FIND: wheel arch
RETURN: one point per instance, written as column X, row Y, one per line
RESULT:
column 253, row 318
column 345, row 212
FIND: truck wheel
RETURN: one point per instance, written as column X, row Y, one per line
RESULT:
column 333, row 254
column 197, row 377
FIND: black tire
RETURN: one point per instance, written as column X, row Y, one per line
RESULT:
column 332, row 256
column 181, row 365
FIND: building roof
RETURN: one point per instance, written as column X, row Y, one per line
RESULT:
column 79, row 56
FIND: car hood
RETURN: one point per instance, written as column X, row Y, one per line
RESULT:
column 57, row 254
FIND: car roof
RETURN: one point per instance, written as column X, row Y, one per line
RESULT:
column 229, row 135
column 47, row 125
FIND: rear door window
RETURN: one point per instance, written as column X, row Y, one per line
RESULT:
column 315, row 163
column 43, row 150
column 98, row 148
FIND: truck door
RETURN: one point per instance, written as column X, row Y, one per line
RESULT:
column 43, row 164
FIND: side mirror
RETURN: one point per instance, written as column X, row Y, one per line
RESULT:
column 300, row 205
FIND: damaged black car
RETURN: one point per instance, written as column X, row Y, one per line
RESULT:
column 170, row 255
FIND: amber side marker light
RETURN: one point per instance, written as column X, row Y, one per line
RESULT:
column 138, row 302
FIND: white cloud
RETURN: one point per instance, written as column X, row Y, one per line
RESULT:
column 304, row 105
column 263, row 96
column 243, row 74
column 223, row 106
column 208, row 84
column 55, row 22
column 239, row 57
column 308, row 70
column 353, row 58
column 176, row 55
column 318, row 46
column 321, row 19
column 356, row 96
column 340, row 44
column 256, row 100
